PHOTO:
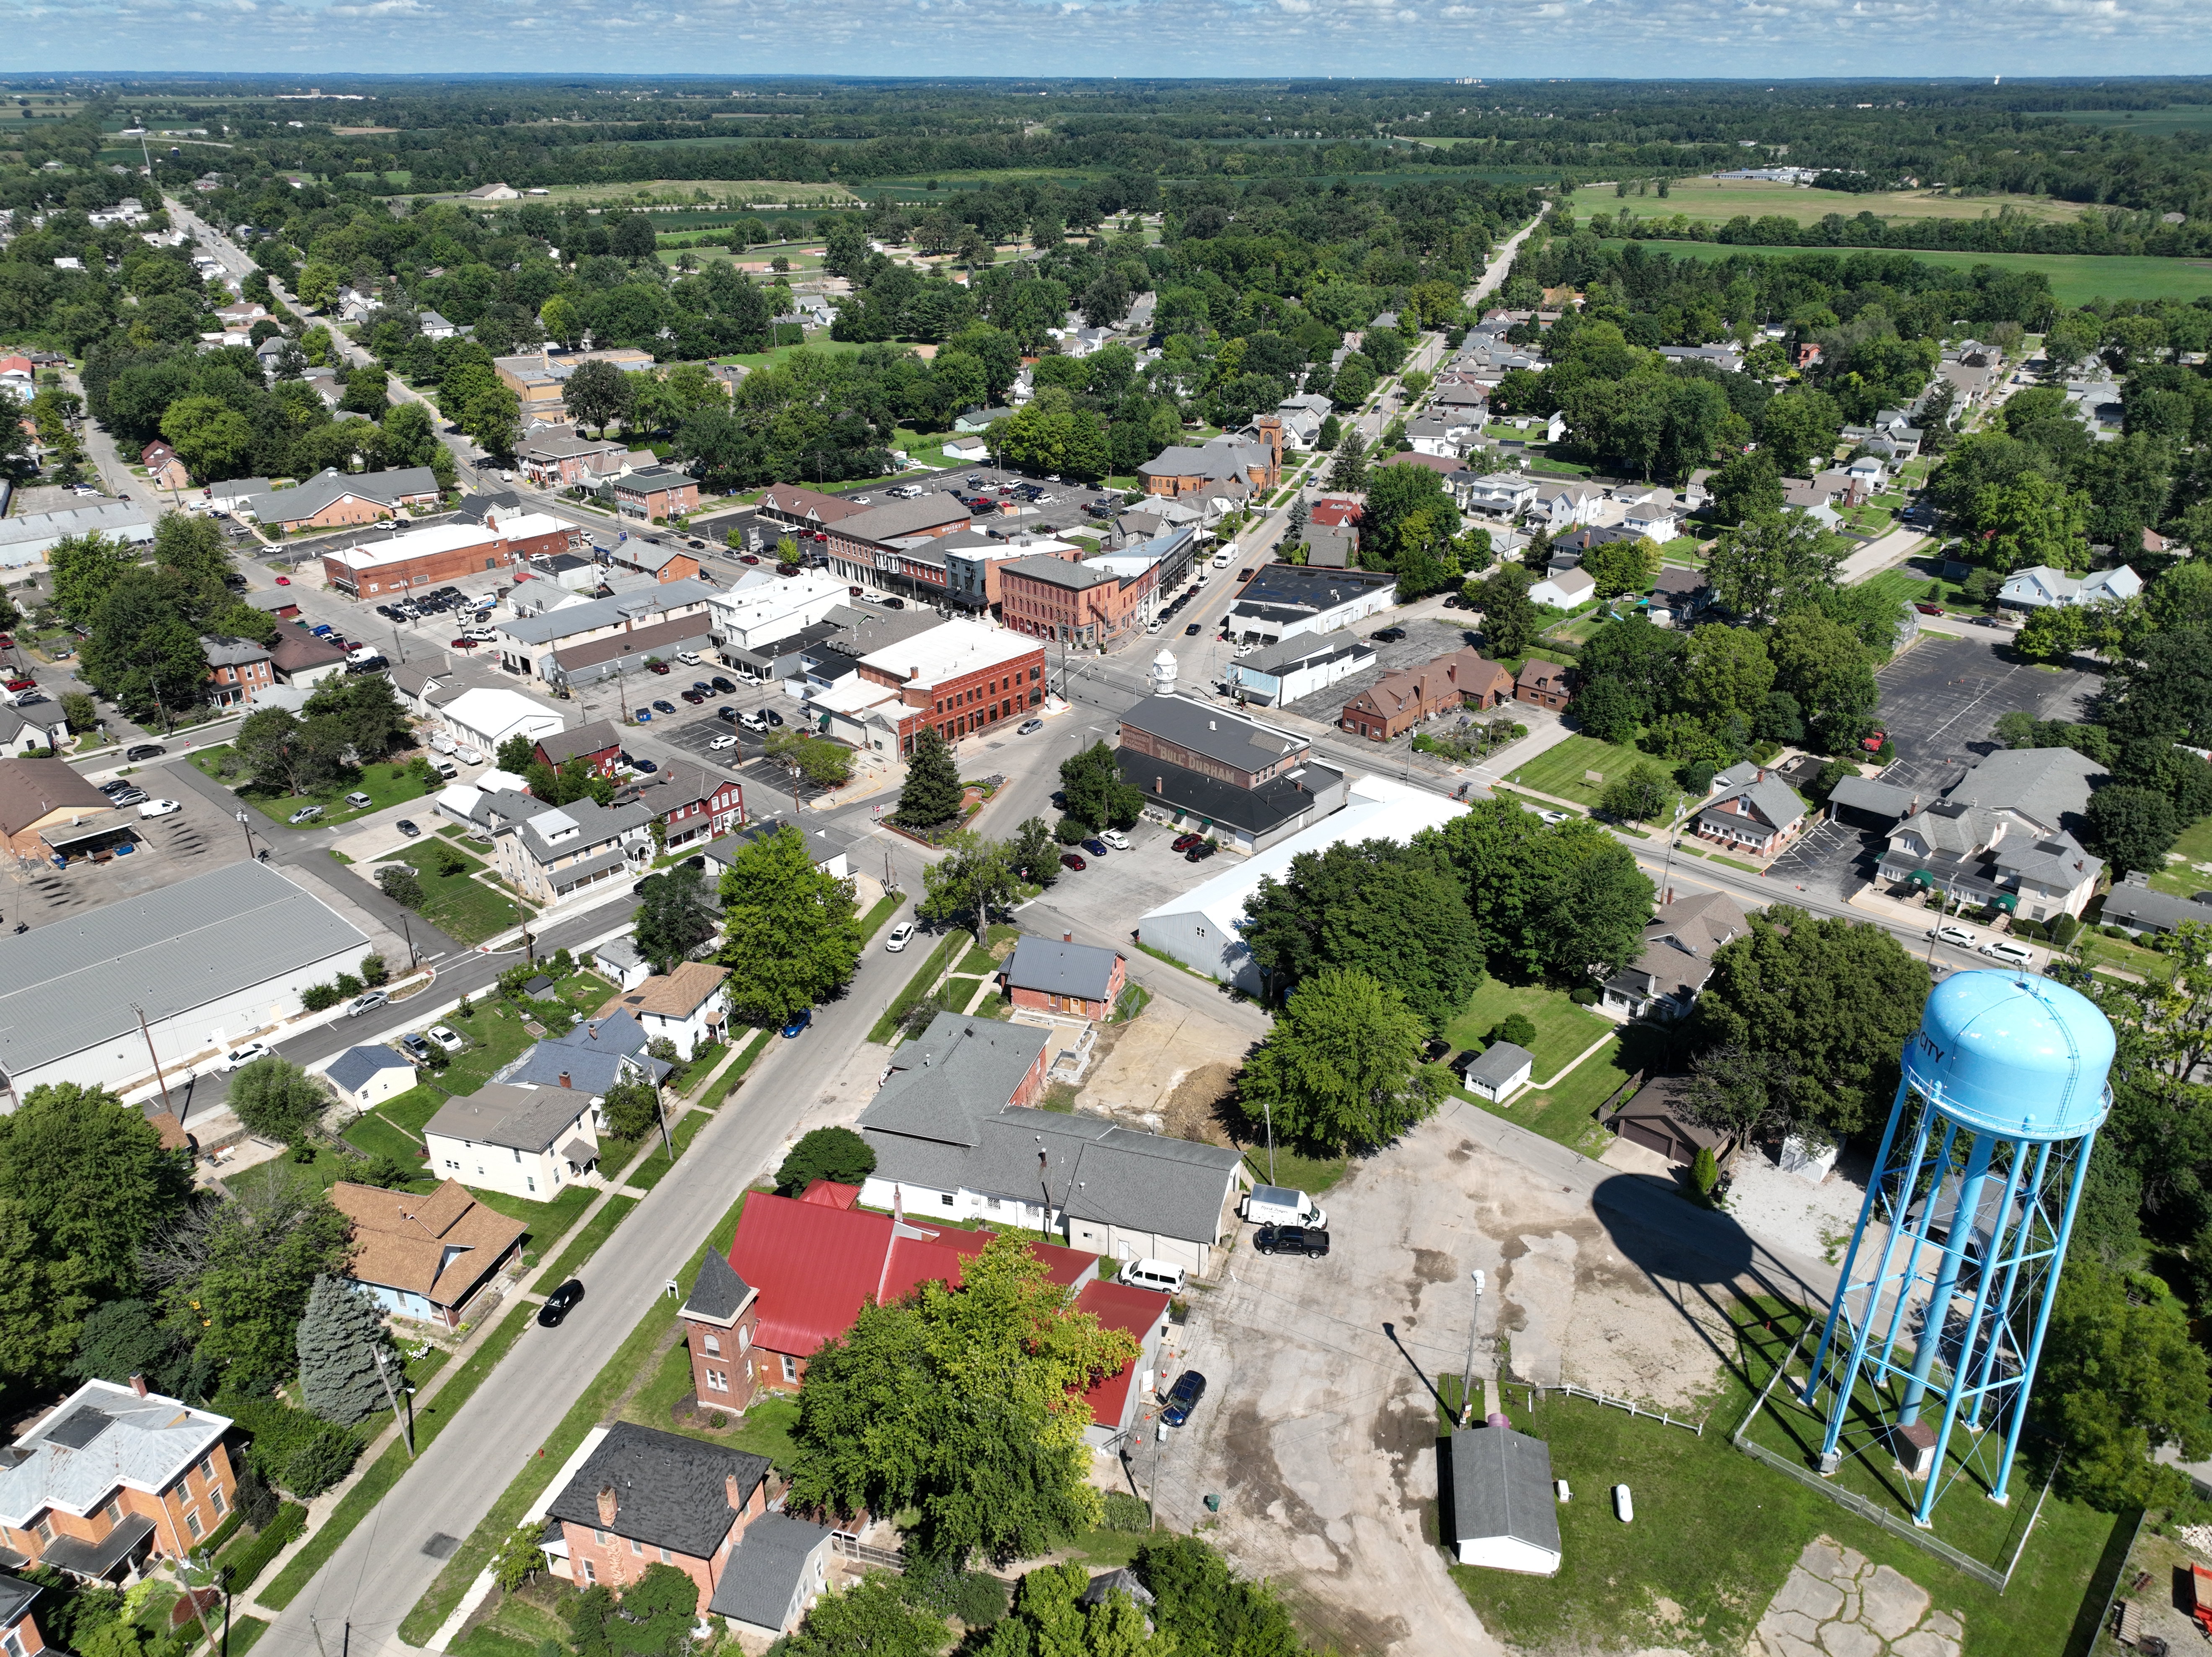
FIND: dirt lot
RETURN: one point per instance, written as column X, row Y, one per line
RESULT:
column 1319, row 1428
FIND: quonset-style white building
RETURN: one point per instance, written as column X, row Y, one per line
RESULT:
column 1201, row 927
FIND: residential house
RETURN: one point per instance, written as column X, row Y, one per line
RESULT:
column 657, row 493
column 1562, row 506
column 1760, row 816
column 2005, row 833
column 425, row 1257
column 46, row 809
column 1433, row 434
column 1277, row 674
column 164, row 471
column 112, row 1479
column 2132, row 906
column 690, row 1006
column 618, row 959
column 299, row 658
column 560, row 458
column 525, row 1139
column 980, row 419
column 954, row 1137
column 1726, row 358
column 1064, row 977
column 662, row 563
column 1398, row 701
column 238, row 670
column 1499, row 494
column 1542, row 684
column 1504, row 1512
column 597, row 743
column 1657, row 1118
column 691, row 802
column 365, row 1076
column 1654, row 514
column 435, row 327
column 1678, row 594
column 2041, row 587
column 20, row 1636
column 1565, row 590
column 1498, row 1072
column 332, row 499
column 1676, row 956
column 563, row 850
column 35, row 731
column 591, row 1058
column 1117, row 1402
column 1303, row 418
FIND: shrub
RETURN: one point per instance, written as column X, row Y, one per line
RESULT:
column 446, row 860
column 348, row 986
column 1515, row 1029
column 1126, row 1513
column 243, row 1562
column 374, row 970
column 316, row 996
column 1068, row 832
column 400, row 885
column 1582, row 996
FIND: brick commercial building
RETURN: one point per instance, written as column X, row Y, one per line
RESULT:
column 1098, row 603
column 657, row 493
column 1235, row 468
column 808, row 509
column 1066, row 977
column 1210, row 741
column 333, row 500
column 599, row 744
column 962, row 677
column 1397, row 702
column 866, row 546
column 614, row 654
column 112, row 1478
column 448, row 553
column 538, row 379
column 692, row 802
column 554, row 458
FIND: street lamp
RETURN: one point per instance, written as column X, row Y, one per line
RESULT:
column 1467, row 1377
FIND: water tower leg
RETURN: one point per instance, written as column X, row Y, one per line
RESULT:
column 2084, row 1146
column 2020, row 1243
column 1851, row 1256
column 1947, row 1274
column 1962, row 1372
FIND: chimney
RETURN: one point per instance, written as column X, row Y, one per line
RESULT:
column 564, row 1078
column 732, row 1494
column 138, row 1383
column 1068, row 937
column 1670, row 898
column 607, row 1505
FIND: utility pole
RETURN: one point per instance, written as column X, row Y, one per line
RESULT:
column 1466, row 1375
column 156, row 1058
column 1267, row 1111
column 1673, row 839
column 246, row 828
column 408, row 932
column 406, row 1427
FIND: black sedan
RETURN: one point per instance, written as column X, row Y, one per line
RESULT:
column 144, row 751
column 1292, row 1239
column 724, row 687
column 1183, row 1397
column 559, row 1303
column 663, row 708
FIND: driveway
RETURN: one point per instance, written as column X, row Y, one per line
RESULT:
column 1319, row 1428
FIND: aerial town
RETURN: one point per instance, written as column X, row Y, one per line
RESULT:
column 1105, row 868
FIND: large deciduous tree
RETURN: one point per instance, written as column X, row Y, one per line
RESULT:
column 1563, row 901
column 597, row 394
column 1769, row 564
column 974, row 877
column 1342, row 1067
column 2120, row 1380
column 674, row 917
column 966, row 1404
column 277, row 1100
column 1096, row 796
column 791, row 938
column 825, row 1153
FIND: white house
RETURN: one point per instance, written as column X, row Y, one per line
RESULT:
column 1499, row 494
column 759, row 612
column 485, row 719
column 689, row 1006
column 2041, row 587
column 969, row 449
column 1565, row 590
column 365, row 1077
column 1563, row 506
column 527, row 1141
column 1652, row 513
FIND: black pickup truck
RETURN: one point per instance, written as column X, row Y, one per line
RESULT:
column 1291, row 1240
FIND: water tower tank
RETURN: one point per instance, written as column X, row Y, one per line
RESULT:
column 2011, row 1055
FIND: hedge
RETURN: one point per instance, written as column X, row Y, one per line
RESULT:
column 291, row 1449
column 246, row 1560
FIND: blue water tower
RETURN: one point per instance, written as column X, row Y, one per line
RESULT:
column 1965, row 1224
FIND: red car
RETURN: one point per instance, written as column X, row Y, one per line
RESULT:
column 658, row 667
column 7, row 641
column 1929, row 610
column 465, row 644
column 1070, row 860
column 284, row 581
column 1873, row 743
column 1184, row 842
column 747, row 558
column 23, row 684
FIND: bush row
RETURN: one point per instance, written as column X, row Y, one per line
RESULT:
column 244, row 1561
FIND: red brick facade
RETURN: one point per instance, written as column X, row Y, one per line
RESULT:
column 188, row 1509
column 1074, row 1006
column 488, row 551
column 726, row 1370
column 1107, row 613
column 597, row 1555
column 968, row 702
column 1542, row 684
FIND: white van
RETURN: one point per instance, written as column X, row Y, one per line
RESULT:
column 1226, row 556
column 1159, row 1276
column 1275, row 1205
column 362, row 652
column 2013, row 955
column 466, row 755
column 441, row 743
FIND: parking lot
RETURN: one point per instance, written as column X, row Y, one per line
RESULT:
column 196, row 839
column 1109, row 895
column 1940, row 700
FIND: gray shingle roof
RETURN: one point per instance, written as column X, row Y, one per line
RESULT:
column 956, row 1073
column 670, row 1492
column 596, row 1055
column 70, row 985
column 1053, row 968
column 2140, row 905
column 593, row 739
column 1500, row 1064
column 1865, row 794
column 766, row 1573
column 287, row 505
column 101, row 1436
column 645, row 606
column 720, row 1294
column 357, row 1065
column 2045, row 785
column 519, row 1117
column 1502, row 1486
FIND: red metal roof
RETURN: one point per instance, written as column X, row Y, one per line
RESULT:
column 1139, row 1311
column 1334, row 514
column 829, row 1194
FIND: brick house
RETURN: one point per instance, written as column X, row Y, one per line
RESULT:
column 1542, row 684
column 1394, row 704
column 299, row 657
column 1235, row 466
column 1761, row 816
column 447, row 553
column 962, row 677
column 163, row 468
column 597, row 743
column 1066, row 977
column 693, row 802
column 332, row 500
column 111, row 1479
column 239, row 670
column 657, row 492
column 19, row 1629
column 798, row 1273
column 642, row 557
column 554, row 458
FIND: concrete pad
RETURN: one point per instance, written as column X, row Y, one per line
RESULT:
column 1804, row 1594
column 1895, row 1604
column 1825, row 1559
column 1631, row 1158
column 1849, row 1640
column 1924, row 1643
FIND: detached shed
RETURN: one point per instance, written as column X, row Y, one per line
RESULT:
column 1498, row 1072
column 1503, row 1515
column 1654, row 1118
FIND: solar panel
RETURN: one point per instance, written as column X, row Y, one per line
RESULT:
column 83, row 1426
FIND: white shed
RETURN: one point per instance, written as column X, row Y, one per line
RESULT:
column 1503, row 1515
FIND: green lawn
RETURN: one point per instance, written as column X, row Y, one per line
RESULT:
column 736, row 1073
column 462, row 907
column 385, row 785
column 873, row 922
column 823, row 346
column 1293, row 1169
column 2076, row 278
column 585, row 1244
column 1716, row 1532
column 548, row 1222
column 2195, row 845
column 1559, row 771
column 1563, row 1029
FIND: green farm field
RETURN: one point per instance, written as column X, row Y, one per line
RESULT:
column 2076, row 278
column 1722, row 199
column 2151, row 123
column 688, row 192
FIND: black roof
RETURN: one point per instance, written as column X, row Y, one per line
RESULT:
column 670, row 1492
column 720, row 1294
column 15, row 1597
column 1257, row 811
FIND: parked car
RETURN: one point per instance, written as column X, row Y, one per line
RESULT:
column 663, row 708
column 1929, row 609
column 693, row 698
column 688, row 657
column 1184, row 842
column 239, row 1058
column 1200, row 852
column 305, row 814
column 144, row 751
column 648, row 767
column 159, row 808
column 464, row 643
column 728, row 739
column 1115, row 838
column 406, row 826
column 1029, row 727
column 772, row 716
column 901, row 936
column 414, row 1047
column 1291, row 1240
column 559, row 1303
column 1096, row 847
column 722, row 687
column 799, row 1021
column 1956, row 935
column 656, row 667
column 368, row 1001
column 128, row 794
column 446, row 1038
column 1183, row 1398
column 1070, row 860
column 2012, row 953
column 1389, row 636
column 752, row 721
column 359, row 801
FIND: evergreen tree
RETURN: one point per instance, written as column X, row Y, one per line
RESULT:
column 932, row 794
column 339, row 1337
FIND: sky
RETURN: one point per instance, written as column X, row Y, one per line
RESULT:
column 1495, row 39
